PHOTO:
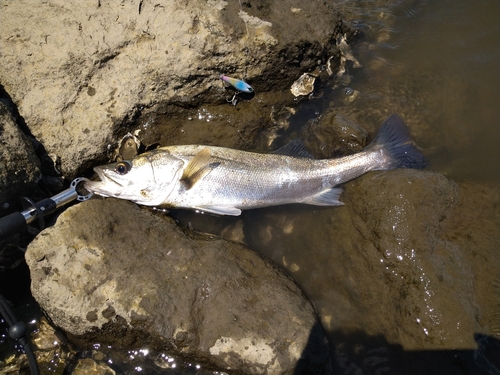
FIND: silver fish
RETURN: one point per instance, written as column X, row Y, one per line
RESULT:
column 225, row 181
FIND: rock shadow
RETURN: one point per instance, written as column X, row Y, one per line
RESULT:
column 361, row 353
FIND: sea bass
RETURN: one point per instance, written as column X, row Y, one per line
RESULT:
column 225, row 181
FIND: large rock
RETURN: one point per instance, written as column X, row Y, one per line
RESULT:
column 79, row 71
column 408, row 264
column 19, row 165
column 111, row 272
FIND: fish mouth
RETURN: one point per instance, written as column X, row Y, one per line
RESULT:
column 106, row 187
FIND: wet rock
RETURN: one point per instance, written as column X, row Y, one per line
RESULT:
column 46, row 337
column 350, row 95
column 88, row 366
column 113, row 273
column 81, row 73
column 345, row 56
column 417, row 261
column 19, row 165
column 403, row 260
column 10, row 364
column 50, row 348
column 333, row 135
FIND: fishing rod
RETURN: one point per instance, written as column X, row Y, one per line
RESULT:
column 17, row 222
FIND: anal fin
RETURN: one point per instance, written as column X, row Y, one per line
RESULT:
column 329, row 197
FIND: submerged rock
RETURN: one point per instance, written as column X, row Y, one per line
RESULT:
column 113, row 273
column 400, row 268
column 333, row 135
column 88, row 366
column 81, row 72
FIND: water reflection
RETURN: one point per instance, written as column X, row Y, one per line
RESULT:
column 437, row 64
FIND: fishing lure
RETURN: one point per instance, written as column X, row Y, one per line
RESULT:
column 238, row 84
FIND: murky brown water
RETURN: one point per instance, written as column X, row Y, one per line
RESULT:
column 437, row 62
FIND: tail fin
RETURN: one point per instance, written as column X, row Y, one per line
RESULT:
column 395, row 138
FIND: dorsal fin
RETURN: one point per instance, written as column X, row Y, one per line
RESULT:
column 197, row 168
column 294, row 148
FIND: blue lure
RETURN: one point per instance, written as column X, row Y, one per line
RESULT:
column 238, row 84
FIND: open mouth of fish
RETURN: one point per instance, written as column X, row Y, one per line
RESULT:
column 107, row 186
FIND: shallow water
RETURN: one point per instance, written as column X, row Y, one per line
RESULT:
column 438, row 63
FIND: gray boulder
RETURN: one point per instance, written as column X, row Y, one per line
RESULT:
column 114, row 273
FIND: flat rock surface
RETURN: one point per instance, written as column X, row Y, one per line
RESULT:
column 110, row 271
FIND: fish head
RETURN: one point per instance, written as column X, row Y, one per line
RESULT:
column 147, row 179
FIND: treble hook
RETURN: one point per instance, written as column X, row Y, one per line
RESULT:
column 233, row 100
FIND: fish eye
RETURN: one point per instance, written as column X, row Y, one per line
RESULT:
column 123, row 167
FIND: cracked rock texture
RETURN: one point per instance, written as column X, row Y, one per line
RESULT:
column 111, row 272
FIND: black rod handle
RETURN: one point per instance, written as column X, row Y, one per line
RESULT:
column 12, row 224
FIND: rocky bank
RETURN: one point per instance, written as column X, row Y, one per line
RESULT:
column 397, row 275
column 80, row 73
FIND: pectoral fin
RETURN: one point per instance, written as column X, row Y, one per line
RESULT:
column 197, row 168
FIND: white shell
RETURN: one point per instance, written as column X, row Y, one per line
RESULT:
column 304, row 85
